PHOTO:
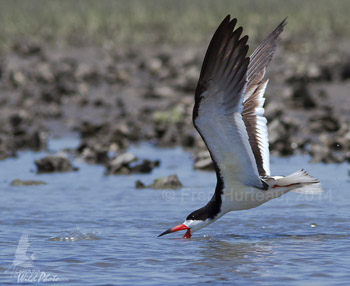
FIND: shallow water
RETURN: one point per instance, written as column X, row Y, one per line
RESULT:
column 85, row 228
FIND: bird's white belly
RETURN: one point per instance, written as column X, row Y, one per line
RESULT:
column 243, row 197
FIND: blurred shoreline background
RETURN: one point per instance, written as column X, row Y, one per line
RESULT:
column 120, row 72
column 166, row 21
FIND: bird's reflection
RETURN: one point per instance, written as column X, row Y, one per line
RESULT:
column 243, row 252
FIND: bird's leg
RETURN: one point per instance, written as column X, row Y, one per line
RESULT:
column 187, row 234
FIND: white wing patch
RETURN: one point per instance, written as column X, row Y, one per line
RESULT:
column 227, row 139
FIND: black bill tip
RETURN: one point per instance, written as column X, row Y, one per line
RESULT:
column 166, row 232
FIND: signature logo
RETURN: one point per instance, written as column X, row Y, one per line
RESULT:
column 21, row 257
column 23, row 269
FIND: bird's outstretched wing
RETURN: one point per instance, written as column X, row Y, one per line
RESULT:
column 253, row 110
column 219, row 104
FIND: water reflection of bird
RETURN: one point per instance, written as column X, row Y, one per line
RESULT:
column 243, row 252
column 229, row 115
column 21, row 258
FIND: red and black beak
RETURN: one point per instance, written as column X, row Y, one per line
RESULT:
column 177, row 228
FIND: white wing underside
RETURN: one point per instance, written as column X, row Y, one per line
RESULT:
column 227, row 139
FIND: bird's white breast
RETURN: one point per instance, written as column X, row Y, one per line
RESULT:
column 240, row 197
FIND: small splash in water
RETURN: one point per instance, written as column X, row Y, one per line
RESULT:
column 313, row 224
column 75, row 236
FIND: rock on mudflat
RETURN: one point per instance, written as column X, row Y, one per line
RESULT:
column 18, row 182
column 203, row 161
column 122, row 164
column 140, row 185
column 170, row 182
column 93, row 153
column 302, row 97
column 50, row 164
column 146, row 166
column 160, row 92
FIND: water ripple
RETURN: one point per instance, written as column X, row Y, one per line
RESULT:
column 75, row 235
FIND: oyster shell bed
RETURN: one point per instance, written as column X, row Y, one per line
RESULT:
column 113, row 97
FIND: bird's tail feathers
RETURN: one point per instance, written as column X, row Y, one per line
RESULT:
column 303, row 183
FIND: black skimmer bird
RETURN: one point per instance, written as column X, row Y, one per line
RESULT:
column 229, row 115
